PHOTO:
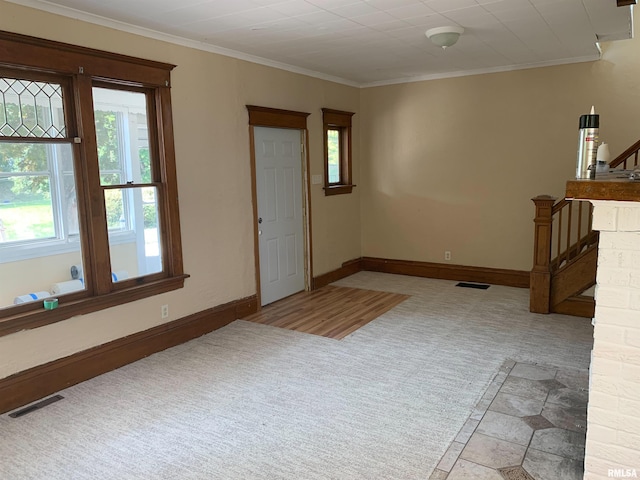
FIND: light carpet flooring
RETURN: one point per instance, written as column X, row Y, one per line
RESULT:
column 251, row 401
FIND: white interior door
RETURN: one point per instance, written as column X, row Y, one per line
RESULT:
column 278, row 157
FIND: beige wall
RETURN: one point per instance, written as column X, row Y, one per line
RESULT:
column 440, row 165
column 209, row 95
column 34, row 275
column 452, row 164
column 38, row 274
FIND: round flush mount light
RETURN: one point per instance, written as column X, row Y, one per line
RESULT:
column 444, row 36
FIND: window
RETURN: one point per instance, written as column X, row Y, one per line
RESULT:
column 88, row 194
column 337, row 151
column 130, row 197
column 37, row 191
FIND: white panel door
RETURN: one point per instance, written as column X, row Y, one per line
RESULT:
column 280, row 220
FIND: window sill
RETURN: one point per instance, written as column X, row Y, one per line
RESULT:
column 338, row 189
column 41, row 317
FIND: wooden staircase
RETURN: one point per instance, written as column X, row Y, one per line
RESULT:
column 566, row 250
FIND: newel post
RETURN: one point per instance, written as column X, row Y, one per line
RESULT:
column 540, row 280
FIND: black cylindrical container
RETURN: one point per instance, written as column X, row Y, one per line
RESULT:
column 588, row 145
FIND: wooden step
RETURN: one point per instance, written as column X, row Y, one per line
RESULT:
column 575, row 278
column 578, row 306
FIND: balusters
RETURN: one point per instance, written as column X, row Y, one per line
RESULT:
column 568, row 250
column 591, row 222
column 559, row 234
column 580, row 227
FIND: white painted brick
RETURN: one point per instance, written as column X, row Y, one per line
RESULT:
column 616, row 454
column 614, row 387
column 609, row 368
column 602, row 400
column 609, row 333
column 597, row 468
column 609, row 296
column 634, row 300
column 615, row 352
column 630, row 440
column 627, row 406
column 613, row 431
column 601, row 434
column 632, row 337
column 607, row 275
column 620, row 241
column 603, row 417
column 617, row 258
column 617, row 316
column 631, row 373
column 605, row 384
column 592, row 463
column 593, row 476
column 629, row 424
column 628, row 219
column 604, row 217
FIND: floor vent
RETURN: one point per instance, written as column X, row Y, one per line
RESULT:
column 36, row 406
column 479, row 286
column 515, row 473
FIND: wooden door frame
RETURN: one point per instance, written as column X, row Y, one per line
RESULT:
column 277, row 118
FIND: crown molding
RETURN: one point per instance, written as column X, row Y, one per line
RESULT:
column 186, row 42
column 482, row 71
column 175, row 39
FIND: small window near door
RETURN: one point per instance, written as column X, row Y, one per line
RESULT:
column 337, row 151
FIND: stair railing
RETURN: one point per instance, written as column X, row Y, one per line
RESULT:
column 627, row 157
column 563, row 235
column 572, row 222
column 540, row 279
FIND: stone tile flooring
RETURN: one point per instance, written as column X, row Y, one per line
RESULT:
column 529, row 425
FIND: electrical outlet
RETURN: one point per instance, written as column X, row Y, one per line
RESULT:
column 164, row 311
column 447, row 255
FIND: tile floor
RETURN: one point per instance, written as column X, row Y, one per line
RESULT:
column 529, row 425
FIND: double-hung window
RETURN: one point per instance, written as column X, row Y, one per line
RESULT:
column 130, row 196
column 38, row 204
column 337, row 151
column 88, row 189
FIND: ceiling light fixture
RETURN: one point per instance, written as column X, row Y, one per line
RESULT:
column 444, row 36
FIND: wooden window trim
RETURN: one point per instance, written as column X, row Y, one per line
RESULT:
column 341, row 121
column 62, row 58
column 85, row 68
column 72, row 308
column 337, row 189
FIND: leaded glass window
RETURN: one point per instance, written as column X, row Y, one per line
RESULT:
column 31, row 109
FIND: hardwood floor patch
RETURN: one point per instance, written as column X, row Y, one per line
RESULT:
column 330, row 311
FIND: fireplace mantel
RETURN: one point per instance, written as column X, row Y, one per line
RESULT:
column 618, row 189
